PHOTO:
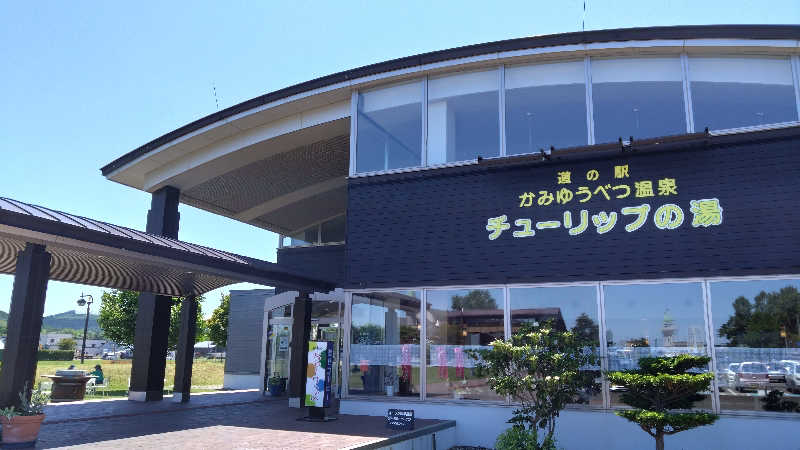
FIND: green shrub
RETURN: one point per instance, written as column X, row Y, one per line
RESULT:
column 55, row 355
column 660, row 386
column 520, row 438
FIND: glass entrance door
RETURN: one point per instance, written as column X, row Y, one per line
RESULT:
column 278, row 354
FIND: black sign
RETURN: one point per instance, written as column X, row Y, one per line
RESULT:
column 400, row 419
column 712, row 211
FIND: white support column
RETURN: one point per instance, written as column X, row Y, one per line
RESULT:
column 507, row 324
column 424, row 158
column 346, row 332
column 687, row 93
column 423, row 350
column 711, row 350
column 502, row 99
column 506, row 312
column 353, row 131
column 601, row 316
column 796, row 76
column 587, row 65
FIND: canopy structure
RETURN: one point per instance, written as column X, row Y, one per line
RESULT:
column 92, row 252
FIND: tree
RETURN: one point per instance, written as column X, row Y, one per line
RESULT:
column 586, row 329
column 67, row 344
column 175, row 323
column 660, row 385
column 476, row 299
column 759, row 324
column 217, row 324
column 541, row 369
column 369, row 334
column 117, row 317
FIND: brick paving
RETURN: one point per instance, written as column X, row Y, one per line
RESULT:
column 216, row 422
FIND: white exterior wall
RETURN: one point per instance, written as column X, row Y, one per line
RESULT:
column 480, row 425
column 50, row 341
column 236, row 381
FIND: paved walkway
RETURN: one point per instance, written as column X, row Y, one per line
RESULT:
column 117, row 407
column 229, row 420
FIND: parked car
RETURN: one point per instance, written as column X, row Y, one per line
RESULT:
column 730, row 374
column 777, row 372
column 122, row 354
column 792, row 369
column 110, row 355
column 751, row 375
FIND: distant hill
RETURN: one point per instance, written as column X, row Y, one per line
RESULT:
column 62, row 321
column 69, row 319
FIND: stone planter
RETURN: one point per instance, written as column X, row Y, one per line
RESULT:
column 21, row 431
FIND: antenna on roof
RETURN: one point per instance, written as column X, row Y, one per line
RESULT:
column 583, row 19
column 214, row 89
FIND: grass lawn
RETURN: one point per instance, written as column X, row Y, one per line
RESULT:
column 207, row 374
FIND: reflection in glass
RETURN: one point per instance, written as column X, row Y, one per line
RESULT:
column 306, row 237
column 326, row 310
column 384, row 344
column 333, row 230
column 545, row 106
column 653, row 320
column 757, row 344
column 463, row 117
column 741, row 92
column 572, row 308
column 390, row 128
column 458, row 320
column 640, row 97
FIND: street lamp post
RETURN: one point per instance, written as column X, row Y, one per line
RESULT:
column 82, row 301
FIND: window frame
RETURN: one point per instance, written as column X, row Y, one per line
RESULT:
column 794, row 67
column 318, row 242
column 705, row 283
column 500, row 68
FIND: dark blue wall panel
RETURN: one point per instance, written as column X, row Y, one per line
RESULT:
column 324, row 262
column 429, row 227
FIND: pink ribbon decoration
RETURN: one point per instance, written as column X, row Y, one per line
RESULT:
column 459, row 362
column 405, row 359
column 442, row 363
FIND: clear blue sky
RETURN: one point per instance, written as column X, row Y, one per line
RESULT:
column 83, row 83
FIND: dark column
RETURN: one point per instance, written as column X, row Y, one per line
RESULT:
column 185, row 353
column 24, row 323
column 152, row 318
column 301, row 330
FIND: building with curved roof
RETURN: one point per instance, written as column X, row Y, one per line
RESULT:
column 604, row 176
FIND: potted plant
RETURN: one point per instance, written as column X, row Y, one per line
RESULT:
column 21, row 425
column 276, row 384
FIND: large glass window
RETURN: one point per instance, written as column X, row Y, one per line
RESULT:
column 653, row 320
column 463, row 117
column 572, row 308
column 545, row 106
column 459, row 320
column 757, row 343
column 640, row 97
column 390, row 128
column 333, row 230
column 741, row 92
column 384, row 349
column 308, row 236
